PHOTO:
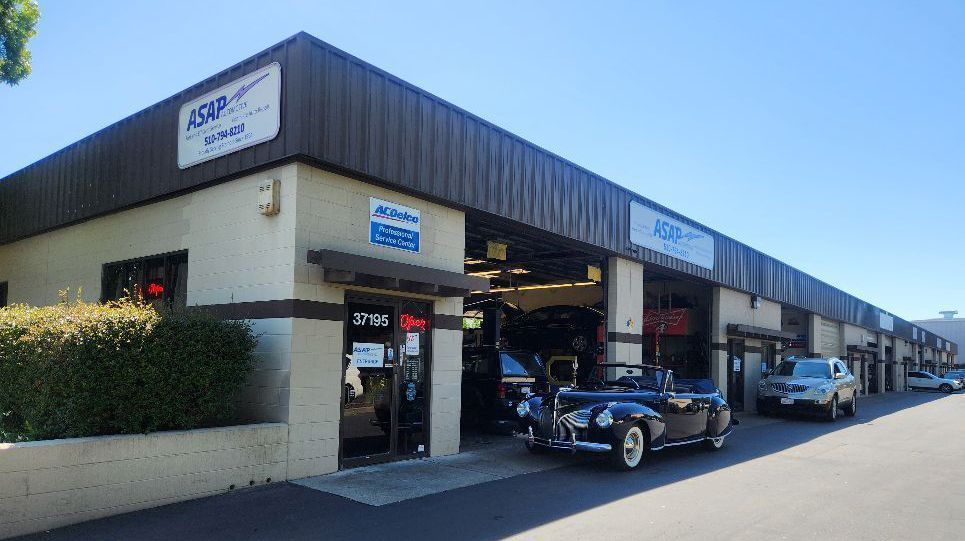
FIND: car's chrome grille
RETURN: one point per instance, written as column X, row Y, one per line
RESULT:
column 789, row 388
column 573, row 423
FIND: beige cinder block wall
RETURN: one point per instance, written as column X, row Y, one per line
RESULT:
column 48, row 484
column 624, row 324
column 903, row 350
column 237, row 256
column 234, row 255
column 333, row 213
column 854, row 335
column 734, row 307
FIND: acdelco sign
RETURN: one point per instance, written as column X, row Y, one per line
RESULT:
column 663, row 234
column 394, row 226
column 238, row 115
column 395, row 213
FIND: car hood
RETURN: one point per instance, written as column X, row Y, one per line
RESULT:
column 582, row 399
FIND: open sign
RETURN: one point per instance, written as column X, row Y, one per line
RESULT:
column 409, row 322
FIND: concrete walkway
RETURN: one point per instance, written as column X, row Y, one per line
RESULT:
column 483, row 459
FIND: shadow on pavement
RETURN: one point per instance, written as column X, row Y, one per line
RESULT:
column 490, row 510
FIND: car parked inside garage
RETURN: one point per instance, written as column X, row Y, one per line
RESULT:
column 806, row 385
column 494, row 380
column 558, row 330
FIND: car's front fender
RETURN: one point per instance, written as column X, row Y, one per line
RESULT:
column 627, row 413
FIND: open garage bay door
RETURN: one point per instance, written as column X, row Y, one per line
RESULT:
column 676, row 323
column 547, row 295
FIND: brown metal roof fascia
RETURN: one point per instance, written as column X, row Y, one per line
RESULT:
column 749, row 331
column 351, row 269
column 862, row 349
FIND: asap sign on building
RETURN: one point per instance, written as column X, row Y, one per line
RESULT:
column 661, row 233
column 240, row 114
column 394, row 226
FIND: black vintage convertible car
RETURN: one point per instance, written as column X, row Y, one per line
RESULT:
column 626, row 411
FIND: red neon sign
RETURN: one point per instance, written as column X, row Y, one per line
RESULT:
column 154, row 290
column 409, row 321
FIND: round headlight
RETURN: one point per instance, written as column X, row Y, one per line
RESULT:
column 604, row 419
column 762, row 385
column 522, row 409
column 825, row 389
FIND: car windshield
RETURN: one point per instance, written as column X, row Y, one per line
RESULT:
column 520, row 363
column 642, row 377
column 804, row 369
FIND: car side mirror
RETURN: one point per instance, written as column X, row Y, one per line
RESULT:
column 838, row 375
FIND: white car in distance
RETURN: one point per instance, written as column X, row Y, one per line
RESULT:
column 927, row 380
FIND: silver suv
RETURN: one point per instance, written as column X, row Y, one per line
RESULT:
column 819, row 386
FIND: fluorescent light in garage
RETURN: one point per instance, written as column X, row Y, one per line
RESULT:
column 545, row 286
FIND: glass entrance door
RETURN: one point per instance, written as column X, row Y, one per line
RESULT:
column 412, row 381
column 385, row 382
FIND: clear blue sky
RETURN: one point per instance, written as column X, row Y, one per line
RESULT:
column 830, row 135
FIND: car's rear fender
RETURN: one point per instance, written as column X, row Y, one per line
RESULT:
column 718, row 418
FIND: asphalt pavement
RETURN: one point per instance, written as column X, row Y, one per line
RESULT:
column 892, row 472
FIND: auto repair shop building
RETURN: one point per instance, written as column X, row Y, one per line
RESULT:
column 349, row 214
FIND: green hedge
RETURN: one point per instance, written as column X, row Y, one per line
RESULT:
column 78, row 369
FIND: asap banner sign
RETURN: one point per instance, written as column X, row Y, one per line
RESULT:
column 394, row 226
column 238, row 115
column 661, row 233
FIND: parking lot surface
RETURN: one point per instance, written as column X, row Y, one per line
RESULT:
column 892, row 472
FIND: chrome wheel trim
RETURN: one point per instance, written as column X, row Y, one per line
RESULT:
column 834, row 408
column 633, row 447
column 854, row 403
column 579, row 343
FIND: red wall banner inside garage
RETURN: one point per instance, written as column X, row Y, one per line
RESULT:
column 675, row 321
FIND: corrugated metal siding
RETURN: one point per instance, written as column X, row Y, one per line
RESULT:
column 346, row 114
column 135, row 160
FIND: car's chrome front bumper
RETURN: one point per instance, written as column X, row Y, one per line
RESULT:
column 571, row 445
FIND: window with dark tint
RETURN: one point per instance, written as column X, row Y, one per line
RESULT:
column 536, row 316
column 479, row 365
column 161, row 279
column 3, row 294
column 804, row 369
column 522, row 364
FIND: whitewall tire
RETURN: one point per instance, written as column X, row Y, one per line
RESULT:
column 628, row 452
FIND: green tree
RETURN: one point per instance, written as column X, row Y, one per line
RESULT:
column 18, row 18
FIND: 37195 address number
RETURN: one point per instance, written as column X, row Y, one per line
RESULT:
column 375, row 320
